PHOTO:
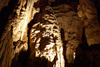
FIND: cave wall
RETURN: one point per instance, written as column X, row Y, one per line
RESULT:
column 88, row 13
column 6, row 49
column 72, row 28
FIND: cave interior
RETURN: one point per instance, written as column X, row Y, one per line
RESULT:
column 49, row 33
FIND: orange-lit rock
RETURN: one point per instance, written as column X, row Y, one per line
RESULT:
column 45, row 40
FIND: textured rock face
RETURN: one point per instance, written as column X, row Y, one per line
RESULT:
column 6, row 47
column 72, row 26
column 17, row 22
column 55, row 34
column 23, row 13
column 88, row 13
column 45, row 40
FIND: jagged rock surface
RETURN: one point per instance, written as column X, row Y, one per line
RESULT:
column 45, row 41
column 16, row 21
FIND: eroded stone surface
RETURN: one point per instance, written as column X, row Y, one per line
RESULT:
column 22, row 13
column 88, row 13
column 45, row 40
column 72, row 26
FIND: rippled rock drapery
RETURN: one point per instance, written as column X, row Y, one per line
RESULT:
column 6, row 45
column 45, row 41
column 14, row 37
column 22, row 15
column 71, row 25
column 88, row 13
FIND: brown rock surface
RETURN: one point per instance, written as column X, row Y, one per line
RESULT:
column 15, row 25
column 6, row 47
column 72, row 28
column 88, row 13
column 45, row 41
column 53, row 31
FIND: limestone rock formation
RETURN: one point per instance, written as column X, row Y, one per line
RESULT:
column 88, row 13
column 45, row 40
column 72, row 26
column 49, row 33
column 16, row 30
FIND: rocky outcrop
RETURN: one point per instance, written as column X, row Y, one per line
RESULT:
column 88, row 13
column 45, row 41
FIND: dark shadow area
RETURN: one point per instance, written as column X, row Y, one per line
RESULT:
column 41, row 62
column 4, row 14
column 64, row 47
column 97, row 5
column 87, row 56
column 72, row 3
column 32, row 22
column 20, row 59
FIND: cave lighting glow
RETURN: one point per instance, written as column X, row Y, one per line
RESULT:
column 49, row 51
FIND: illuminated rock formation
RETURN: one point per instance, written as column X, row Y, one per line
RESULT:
column 15, row 30
column 45, row 40
column 49, row 33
